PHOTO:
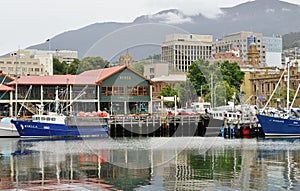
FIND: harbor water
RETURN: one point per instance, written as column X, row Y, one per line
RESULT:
column 173, row 163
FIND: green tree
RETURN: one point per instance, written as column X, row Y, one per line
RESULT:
column 92, row 63
column 154, row 57
column 216, row 81
column 186, row 92
column 59, row 67
column 139, row 67
column 168, row 91
column 73, row 67
column 232, row 74
column 197, row 77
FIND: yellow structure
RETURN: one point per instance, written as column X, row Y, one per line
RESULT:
column 125, row 60
column 253, row 57
column 260, row 84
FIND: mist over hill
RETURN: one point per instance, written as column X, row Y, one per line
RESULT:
column 144, row 35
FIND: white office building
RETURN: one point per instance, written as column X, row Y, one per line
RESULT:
column 180, row 50
column 273, row 50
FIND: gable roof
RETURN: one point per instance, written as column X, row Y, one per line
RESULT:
column 90, row 77
column 101, row 74
column 4, row 88
column 44, row 80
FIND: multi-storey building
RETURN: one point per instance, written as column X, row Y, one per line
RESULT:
column 35, row 62
column 67, row 56
column 21, row 63
column 260, row 83
column 273, row 51
column 241, row 42
column 180, row 50
column 156, row 70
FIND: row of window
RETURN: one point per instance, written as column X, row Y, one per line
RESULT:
column 190, row 47
column 12, row 69
column 22, row 63
column 122, row 91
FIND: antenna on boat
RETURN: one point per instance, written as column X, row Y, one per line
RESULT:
column 56, row 100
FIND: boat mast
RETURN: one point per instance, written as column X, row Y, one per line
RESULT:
column 56, row 101
column 16, row 90
column 288, row 88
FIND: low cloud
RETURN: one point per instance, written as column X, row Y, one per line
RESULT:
column 171, row 18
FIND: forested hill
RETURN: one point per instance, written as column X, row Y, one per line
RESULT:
column 291, row 40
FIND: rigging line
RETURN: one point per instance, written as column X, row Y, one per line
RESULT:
column 3, row 94
column 3, row 79
column 27, row 94
column 81, row 93
column 274, row 90
column 295, row 95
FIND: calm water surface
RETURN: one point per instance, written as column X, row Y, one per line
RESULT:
column 189, row 163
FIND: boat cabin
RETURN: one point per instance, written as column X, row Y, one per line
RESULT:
column 53, row 119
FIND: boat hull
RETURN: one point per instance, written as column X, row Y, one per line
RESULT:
column 36, row 129
column 8, row 130
column 276, row 126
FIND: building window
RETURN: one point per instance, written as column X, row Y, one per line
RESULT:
column 145, row 91
column 109, row 90
column 151, row 70
column 118, row 91
column 140, row 91
column 129, row 90
column 106, row 91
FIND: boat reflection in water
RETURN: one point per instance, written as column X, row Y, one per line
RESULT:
column 183, row 163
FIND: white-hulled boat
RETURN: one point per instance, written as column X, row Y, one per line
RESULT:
column 7, row 129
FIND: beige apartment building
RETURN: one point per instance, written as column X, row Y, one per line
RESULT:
column 20, row 63
column 34, row 62
column 180, row 50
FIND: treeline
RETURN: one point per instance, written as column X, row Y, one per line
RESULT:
column 291, row 40
column 79, row 66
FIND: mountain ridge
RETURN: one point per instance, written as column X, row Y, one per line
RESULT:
column 270, row 17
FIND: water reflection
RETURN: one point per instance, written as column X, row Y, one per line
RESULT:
column 150, row 164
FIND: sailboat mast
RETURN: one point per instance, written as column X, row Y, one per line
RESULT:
column 288, row 88
column 16, row 90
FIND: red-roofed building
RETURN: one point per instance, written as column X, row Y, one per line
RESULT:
column 6, row 93
column 119, row 90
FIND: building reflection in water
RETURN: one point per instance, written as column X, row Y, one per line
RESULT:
column 114, row 164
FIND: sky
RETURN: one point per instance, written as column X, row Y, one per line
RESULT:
column 29, row 22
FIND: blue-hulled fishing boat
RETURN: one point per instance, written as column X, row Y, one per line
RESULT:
column 61, row 126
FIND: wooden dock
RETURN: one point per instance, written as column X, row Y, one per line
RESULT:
column 158, row 126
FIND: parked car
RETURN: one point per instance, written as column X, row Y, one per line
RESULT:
column 186, row 112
